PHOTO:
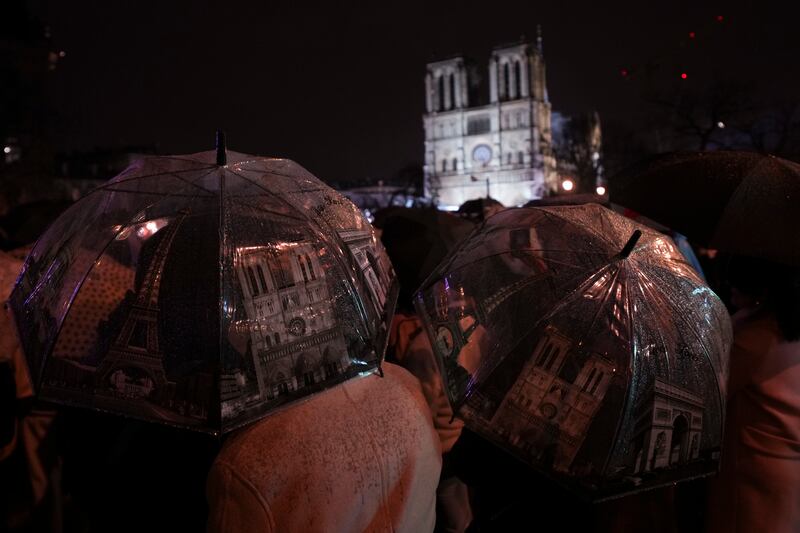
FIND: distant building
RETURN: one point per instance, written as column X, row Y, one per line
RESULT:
column 503, row 149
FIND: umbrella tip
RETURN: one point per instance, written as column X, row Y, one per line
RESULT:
column 222, row 158
column 626, row 251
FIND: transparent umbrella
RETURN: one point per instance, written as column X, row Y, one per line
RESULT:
column 583, row 345
column 204, row 291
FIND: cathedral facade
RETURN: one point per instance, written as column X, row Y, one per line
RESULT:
column 503, row 149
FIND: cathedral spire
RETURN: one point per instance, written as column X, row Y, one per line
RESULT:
column 539, row 45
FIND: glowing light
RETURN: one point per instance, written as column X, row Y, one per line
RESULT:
column 151, row 226
column 600, row 190
column 691, row 35
column 567, row 185
column 720, row 18
column 62, row 53
column 7, row 150
column 720, row 124
column 623, row 72
column 683, row 76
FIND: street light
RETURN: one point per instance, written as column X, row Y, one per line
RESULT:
column 474, row 178
column 600, row 190
column 567, row 185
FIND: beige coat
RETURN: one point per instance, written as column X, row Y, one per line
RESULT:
column 759, row 484
column 362, row 456
column 412, row 350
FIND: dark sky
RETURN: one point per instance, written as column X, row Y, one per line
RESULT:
column 340, row 88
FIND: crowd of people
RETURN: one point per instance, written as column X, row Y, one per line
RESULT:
column 385, row 453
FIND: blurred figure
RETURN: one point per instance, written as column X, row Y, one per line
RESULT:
column 361, row 456
column 410, row 347
column 759, row 484
column 480, row 209
column 416, row 241
column 30, row 467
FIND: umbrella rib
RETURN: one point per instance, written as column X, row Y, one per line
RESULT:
column 693, row 331
column 172, row 194
column 281, row 174
column 78, row 288
column 629, row 393
column 174, row 173
column 588, row 228
column 237, row 199
column 607, row 294
column 176, row 158
column 75, row 292
column 264, row 210
column 492, row 364
column 549, row 260
column 191, row 183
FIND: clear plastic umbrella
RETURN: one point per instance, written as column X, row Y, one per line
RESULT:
column 204, row 291
column 584, row 345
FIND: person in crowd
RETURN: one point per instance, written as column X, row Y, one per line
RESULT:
column 361, row 456
column 410, row 347
column 759, row 484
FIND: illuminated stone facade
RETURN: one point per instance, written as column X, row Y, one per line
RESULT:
column 503, row 148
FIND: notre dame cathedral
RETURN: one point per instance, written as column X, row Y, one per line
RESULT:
column 504, row 149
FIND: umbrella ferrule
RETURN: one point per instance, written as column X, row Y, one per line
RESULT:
column 626, row 251
column 222, row 158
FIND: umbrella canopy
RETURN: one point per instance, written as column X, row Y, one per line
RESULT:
column 204, row 291
column 738, row 202
column 417, row 239
column 584, row 345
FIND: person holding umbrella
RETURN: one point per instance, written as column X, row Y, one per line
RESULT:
column 743, row 203
column 221, row 293
column 759, row 484
column 589, row 349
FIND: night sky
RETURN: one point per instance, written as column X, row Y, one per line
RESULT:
column 340, row 89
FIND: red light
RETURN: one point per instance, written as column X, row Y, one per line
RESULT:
column 624, row 72
column 683, row 76
column 720, row 18
column 691, row 35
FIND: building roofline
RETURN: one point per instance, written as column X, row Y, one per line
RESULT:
column 513, row 44
column 445, row 59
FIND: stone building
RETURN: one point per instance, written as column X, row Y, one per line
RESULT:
column 503, row 148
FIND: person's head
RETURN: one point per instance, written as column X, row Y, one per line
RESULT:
column 762, row 285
